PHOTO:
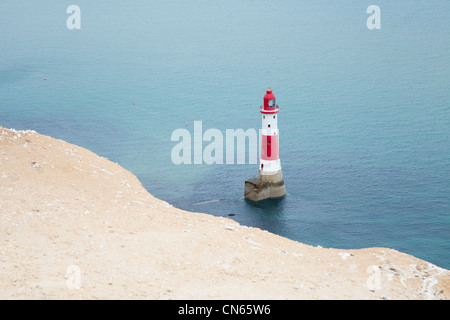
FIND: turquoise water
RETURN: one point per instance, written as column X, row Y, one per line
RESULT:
column 364, row 114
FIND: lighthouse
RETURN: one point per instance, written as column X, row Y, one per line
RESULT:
column 269, row 183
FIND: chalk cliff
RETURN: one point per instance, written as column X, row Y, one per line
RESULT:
column 74, row 225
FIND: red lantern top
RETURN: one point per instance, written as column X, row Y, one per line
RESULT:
column 269, row 106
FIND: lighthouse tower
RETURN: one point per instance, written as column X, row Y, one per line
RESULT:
column 269, row 183
column 270, row 156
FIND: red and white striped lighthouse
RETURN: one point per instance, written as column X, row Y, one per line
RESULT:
column 269, row 183
column 270, row 155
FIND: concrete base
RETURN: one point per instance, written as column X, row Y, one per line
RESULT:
column 265, row 187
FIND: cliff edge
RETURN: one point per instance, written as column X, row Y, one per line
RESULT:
column 74, row 225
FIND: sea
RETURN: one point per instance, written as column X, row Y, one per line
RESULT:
column 364, row 98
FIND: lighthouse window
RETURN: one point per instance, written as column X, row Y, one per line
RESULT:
column 264, row 117
column 272, row 103
column 268, row 125
column 274, row 117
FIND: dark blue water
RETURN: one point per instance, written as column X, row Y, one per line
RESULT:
column 364, row 114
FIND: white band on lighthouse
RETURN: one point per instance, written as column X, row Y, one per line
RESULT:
column 270, row 166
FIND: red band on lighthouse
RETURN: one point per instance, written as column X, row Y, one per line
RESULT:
column 269, row 148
